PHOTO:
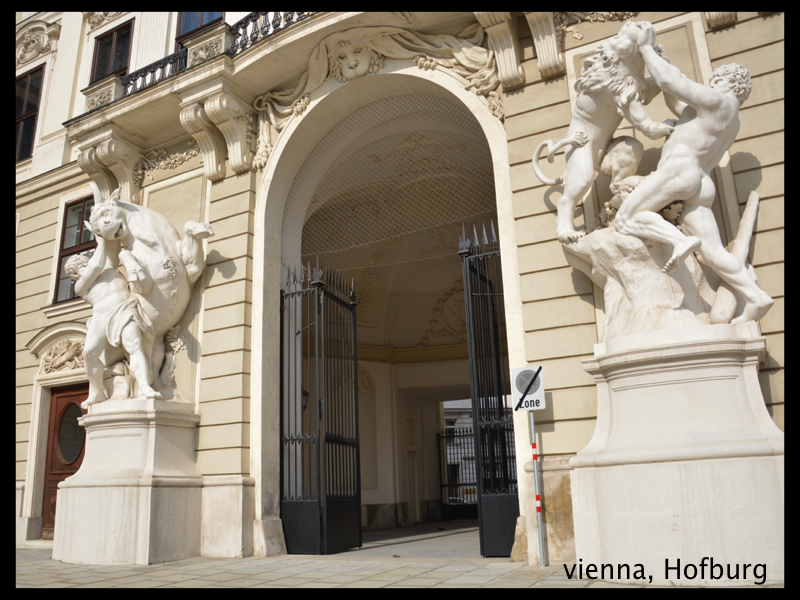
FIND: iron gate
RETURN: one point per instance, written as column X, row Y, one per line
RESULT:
column 498, row 503
column 320, row 462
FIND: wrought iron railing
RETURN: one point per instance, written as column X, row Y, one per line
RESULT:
column 154, row 73
column 258, row 26
column 246, row 32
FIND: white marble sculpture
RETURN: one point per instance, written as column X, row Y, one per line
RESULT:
column 612, row 85
column 654, row 275
column 133, row 313
column 708, row 121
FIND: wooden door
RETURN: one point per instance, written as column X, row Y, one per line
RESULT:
column 65, row 447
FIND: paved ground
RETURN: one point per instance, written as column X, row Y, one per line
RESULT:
column 433, row 555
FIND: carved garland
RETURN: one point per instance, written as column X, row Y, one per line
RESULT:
column 160, row 159
column 448, row 317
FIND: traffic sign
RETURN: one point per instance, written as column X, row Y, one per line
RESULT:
column 528, row 388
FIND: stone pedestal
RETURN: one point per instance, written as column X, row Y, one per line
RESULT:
column 137, row 497
column 685, row 462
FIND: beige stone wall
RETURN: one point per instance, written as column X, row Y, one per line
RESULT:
column 559, row 308
column 223, row 446
column 38, row 205
column 756, row 41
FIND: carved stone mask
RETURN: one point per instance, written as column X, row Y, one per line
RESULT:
column 352, row 61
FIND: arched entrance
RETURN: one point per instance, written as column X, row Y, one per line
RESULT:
column 376, row 179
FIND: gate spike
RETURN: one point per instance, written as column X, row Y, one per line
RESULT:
column 475, row 237
column 485, row 239
column 294, row 273
column 463, row 241
column 288, row 278
column 494, row 237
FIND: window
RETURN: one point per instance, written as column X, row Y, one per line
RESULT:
column 192, row 23
column 75, row 239
column 112, row 52
column 29, row 91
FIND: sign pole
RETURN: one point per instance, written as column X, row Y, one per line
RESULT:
column 532, row 426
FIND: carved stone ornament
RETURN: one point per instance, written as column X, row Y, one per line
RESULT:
column 99, row 99
column 156, row 160
column 97, row 19
column 655, row 275
column 205, row 51
column 64, row 355
column 448, row 318
column 358, row 52
column 565, row 22
column 40, row 38
column 501, row 27
column 134, row 316
column 720, row 20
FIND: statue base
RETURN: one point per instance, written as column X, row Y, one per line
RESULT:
column 137, row 497
column 685, row 461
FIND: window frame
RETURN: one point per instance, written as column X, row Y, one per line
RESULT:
column 27, row 115
column 113, row 32
column 72, row 250
column 180, row 38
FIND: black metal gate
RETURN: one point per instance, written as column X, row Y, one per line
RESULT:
column 498, row 503
column 457, row 477
column 320, row 462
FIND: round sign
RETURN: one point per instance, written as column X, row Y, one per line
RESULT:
column 524, row 378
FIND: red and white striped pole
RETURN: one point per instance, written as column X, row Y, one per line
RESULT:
column 532, row 426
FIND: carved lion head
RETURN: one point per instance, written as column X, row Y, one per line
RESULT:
column 616, row 66
column 347, row 61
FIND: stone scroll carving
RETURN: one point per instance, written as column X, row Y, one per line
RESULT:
column 355, row 53
column 134, row 312
column 658, row 255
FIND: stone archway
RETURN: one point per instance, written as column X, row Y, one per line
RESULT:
column 329, row 105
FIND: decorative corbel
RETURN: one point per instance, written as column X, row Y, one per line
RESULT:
column 195, row 120
column 551, row 59
column 237, row 122
column 720, row 20
column 501, row 27
column 90, row 164
column 121, row 158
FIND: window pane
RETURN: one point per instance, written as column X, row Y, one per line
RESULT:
column 87, row 236
column 26, row 138
column 70, row 434
column 103, row 57
column 21, row 83
column 121, row 48
column 210, row 16
column 66, row 287
column 191, row 20
column 34, row 89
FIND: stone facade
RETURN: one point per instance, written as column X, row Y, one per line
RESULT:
column 204, row 148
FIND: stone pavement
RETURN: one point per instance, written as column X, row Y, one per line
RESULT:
column 433, row 555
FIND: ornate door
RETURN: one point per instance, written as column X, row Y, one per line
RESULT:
column 65, row 447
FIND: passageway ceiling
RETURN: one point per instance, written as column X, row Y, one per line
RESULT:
column 387, row 213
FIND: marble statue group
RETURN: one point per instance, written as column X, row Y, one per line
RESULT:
column 646, row 247
column 135, row 315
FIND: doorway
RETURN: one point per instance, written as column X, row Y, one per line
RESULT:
column 65, row 447
column 381, row 198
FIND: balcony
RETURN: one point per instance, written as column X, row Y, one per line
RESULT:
column 245, row 33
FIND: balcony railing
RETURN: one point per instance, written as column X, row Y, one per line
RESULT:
column 246, row 33
column 258, row 26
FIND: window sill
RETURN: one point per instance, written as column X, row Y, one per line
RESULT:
column 65, row 308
